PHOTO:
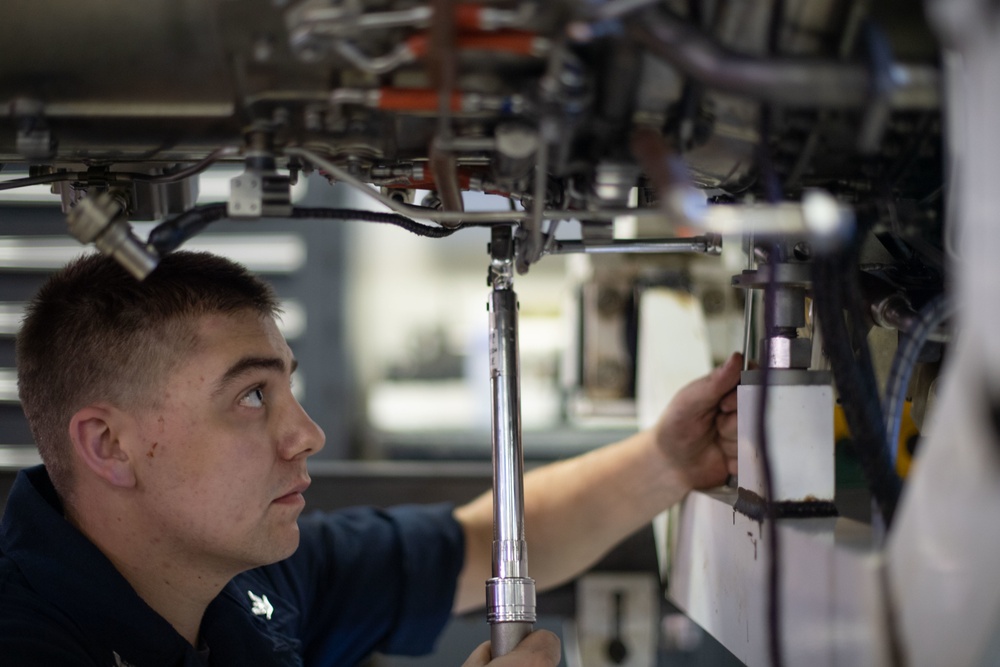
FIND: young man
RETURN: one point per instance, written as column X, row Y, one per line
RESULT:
column 164, row 527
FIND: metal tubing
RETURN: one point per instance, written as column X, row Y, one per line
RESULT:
column 798, row 82
column 710, row 245
column 510, row 594
column 533, row 246
column 819, row 214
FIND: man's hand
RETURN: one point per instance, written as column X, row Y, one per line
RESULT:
column 697, row 432
column 539, row 649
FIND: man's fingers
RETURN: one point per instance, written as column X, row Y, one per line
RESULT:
column 480, row 657
column 539, row 649
column 725, row 378
column 727, row 424
column 728, row 402
column 703, row 395
column 542, row 649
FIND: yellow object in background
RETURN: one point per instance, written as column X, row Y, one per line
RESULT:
column 907, row 430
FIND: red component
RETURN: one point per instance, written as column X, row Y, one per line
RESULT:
column 414, row 99
column 517, row 42
column 418, row 44
column 467, row 17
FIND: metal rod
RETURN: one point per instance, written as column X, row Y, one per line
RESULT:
column 510, row 593
column 819, row 215
column 710, row 245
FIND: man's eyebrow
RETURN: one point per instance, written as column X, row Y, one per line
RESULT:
column 249, row 364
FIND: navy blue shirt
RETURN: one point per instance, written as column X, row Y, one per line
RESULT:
column 361, row 580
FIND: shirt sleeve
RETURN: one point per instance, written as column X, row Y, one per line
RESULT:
column 369, row 580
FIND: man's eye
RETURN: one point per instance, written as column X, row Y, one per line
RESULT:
column 253, row 398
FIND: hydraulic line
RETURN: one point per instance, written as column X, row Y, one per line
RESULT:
column 856, row 386
column 169, row 235
column 930, row 318
column 798, row 82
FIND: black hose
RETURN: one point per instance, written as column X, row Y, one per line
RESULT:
column 774, row 546
column 855, row 383
column 171, row 234
column 773, row 192
column 396, row 219
column 930, row 318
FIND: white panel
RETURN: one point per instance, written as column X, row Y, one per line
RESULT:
column 673, row 349
column 831, row 588
column 800, row 441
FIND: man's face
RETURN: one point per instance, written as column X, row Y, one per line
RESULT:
column 222, row 452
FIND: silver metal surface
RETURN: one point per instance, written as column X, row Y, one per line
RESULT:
column 709, row 245
column 787, row 352
column 99, row 220
column 510, row 555
column 510, row 593
column 510, row 600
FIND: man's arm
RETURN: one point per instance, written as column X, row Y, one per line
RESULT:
column 577, row 509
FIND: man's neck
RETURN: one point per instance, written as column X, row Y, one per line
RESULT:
column 178, row 591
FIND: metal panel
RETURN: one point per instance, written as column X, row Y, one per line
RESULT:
column 830, row 585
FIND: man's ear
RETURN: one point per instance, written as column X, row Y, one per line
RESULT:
column 95, row 432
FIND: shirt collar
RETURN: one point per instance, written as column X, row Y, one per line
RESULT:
column 69, row 571
column 65, row 568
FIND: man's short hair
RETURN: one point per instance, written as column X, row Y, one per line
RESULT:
column 94, row 333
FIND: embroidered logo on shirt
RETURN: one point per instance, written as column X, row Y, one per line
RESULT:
column 260, row 605
column 119, row 662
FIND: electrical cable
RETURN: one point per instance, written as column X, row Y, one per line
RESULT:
column 774, row 547
column 772, row 189
column 928, row 319
column 396, row 219
column 855, row 383
column 119, row 177
column 171, row 234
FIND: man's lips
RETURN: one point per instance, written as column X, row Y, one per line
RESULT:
column 294, row 494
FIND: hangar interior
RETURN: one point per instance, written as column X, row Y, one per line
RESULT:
column 510, row 231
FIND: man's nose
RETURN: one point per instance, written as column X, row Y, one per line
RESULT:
column 303, row 437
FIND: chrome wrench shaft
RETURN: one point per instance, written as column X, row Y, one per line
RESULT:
column 510, row 594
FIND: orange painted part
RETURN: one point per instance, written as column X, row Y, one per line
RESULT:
column 414, row 99
column 517, row 42
column 418, row 44
column 467, row 17
column 507, row 41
